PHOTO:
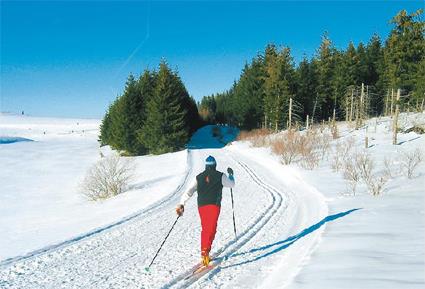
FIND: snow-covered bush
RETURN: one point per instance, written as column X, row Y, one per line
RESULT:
column 389, row 167
column 307, row 148
column 359, row 166
column 289, row 146
column 340, row 152
column 364, row 165
column 257, row 137
column 320, row 141
column 351, row 173
column 376, row 184
column 410, row 161
column 334, row 131
column 107, row 178
column 310, row 159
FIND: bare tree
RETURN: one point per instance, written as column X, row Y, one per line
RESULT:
column 341, row 151
column 107, row 178
column 352, row 174
column 376, row 184
column 364, row 165
column 410, row 161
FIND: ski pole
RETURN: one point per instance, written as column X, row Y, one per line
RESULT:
column 163, row 242
column 233, row 210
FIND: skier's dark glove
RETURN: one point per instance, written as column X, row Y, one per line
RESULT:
column 230, row 171
column 180, row 210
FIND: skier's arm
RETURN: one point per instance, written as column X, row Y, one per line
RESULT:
column 228, row 181
column 189, row 193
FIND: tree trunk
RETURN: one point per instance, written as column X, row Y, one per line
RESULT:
column 395, row 124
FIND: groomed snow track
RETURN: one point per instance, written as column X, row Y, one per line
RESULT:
column 242, row 238
column 141, row 213
column 115, row 256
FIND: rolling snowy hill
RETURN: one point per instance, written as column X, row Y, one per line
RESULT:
column 296, row 228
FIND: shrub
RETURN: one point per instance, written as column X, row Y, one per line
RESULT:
column 388, row 167
column 364, row 165
column 359, row 166
column 288, row 146
column 351, row 173
column 257, row 137
column 107, row 178
column 410, row 161
column 310, row 159
column 341, row 151
column 376, row 184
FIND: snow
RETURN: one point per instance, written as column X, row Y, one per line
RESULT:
column 382, row 244
column 296, row 228
column 41, row 202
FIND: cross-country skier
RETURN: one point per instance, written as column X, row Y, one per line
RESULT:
column 209, row 185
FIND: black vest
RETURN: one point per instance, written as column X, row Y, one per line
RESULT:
column 209, row 187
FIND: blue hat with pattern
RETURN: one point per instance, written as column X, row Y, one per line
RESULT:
column 210, row 161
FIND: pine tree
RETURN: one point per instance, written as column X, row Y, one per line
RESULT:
column 362, row 66
column 419, row 91
column 326, row 81
column 404, row 50
column 118, row 124
column 208, row 109
column 278, row 86
column 105, row 128
column 307, row 84
column 134, row 115
column 165, row 127
column 374, row 56
column 325, row 69
column 248, row 94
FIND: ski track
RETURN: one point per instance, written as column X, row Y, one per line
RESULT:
column 242, row 238
column 150, row 209
column 115, row 256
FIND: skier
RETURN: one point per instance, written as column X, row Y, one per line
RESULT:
column 209, row 185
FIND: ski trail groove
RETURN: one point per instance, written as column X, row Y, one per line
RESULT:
column 134, row 256
column 231, row 247
column 152, row 208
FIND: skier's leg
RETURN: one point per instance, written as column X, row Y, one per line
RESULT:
column 203, row 214
column 209, row 217
column 215, row 213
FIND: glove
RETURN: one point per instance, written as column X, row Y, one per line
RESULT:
column 230, row 171
column 180, row 210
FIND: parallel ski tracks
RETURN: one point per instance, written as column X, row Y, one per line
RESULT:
column 226, row 251
column 149, row 210
column 279, row 201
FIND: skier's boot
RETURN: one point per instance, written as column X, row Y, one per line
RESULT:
column 205, row 257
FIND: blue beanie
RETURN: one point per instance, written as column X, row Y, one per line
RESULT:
column 210, row 161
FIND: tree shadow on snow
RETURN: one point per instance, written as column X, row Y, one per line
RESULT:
column 285, row 243
column 212, row 137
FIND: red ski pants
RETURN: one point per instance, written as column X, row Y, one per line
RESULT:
column 209, row 217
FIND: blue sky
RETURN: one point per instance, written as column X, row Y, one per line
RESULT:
column 71, row 58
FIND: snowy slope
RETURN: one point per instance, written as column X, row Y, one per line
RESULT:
column 40, row 200
column 382, row 244
column 296, row 229
column 267, row 210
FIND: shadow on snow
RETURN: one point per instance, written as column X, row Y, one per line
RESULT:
column 10, row 140
column 285, row 243
column 212, row 137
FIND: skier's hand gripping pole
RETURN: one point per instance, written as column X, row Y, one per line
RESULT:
column 180, row 210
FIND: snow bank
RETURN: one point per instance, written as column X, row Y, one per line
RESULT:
column 381, row 243
column 40, row 200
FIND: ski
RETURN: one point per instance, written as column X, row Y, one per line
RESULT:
column 201, row 269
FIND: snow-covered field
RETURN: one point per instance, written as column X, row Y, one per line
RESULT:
column 296, row 228
column 40, row 196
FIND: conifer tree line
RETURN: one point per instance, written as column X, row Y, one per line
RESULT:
column 155, row 114
column 328, row 84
